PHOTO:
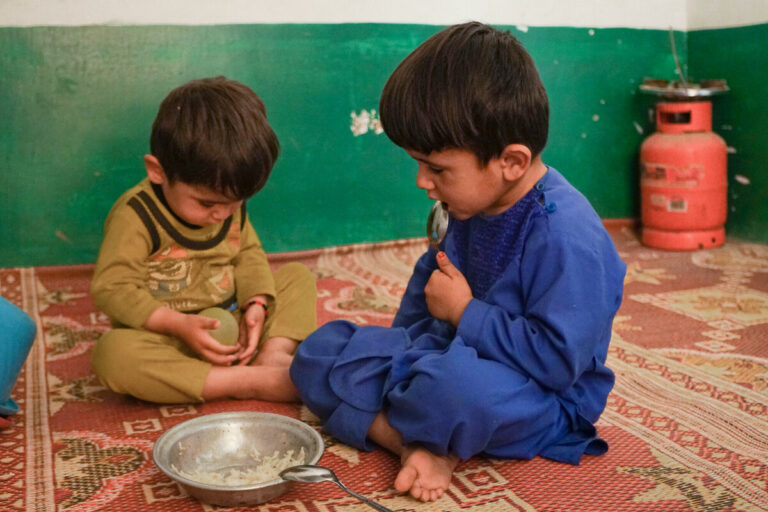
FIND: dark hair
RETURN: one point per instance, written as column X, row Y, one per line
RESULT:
column 468, row 87
column 213, row 132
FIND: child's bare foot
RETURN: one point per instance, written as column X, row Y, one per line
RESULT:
column 272, row 383
column 425, row 475
column 276, row 351
column 272, row 358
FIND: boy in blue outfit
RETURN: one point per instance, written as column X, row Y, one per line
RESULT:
column 500, row 342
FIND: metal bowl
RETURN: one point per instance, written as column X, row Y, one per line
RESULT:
column 221, row 442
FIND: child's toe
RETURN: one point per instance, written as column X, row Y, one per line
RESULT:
column 405, row 479
column 418, row 492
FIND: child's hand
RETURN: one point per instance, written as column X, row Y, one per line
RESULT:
column 194, row 331
column 251, row 326
column 447, row 292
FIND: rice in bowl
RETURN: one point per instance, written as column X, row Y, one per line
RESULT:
column 262, row 469
column 233, row 459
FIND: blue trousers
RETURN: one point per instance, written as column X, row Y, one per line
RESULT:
column 436, row 392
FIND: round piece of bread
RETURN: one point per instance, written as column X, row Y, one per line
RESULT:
column 227, row 331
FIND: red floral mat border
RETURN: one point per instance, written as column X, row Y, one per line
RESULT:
column 686, row 421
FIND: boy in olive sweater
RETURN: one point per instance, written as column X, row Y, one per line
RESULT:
column 180, row 241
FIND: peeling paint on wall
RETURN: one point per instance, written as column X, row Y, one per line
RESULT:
column 364, row 122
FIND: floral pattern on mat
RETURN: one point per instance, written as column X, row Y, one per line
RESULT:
column 687, row 421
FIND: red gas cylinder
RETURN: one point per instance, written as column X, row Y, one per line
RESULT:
column 683, row 179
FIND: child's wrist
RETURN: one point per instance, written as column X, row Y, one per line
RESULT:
column 165, row 320
column 256, row 302
column 457, row 317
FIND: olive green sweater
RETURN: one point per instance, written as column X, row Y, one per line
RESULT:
column 149, row 259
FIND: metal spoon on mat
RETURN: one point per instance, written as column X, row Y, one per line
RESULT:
column 437, row 225
column 310, row 473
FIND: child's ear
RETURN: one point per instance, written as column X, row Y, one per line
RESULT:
column 515, row 159
column 155, row 171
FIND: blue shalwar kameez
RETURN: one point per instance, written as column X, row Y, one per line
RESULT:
column 524, row 372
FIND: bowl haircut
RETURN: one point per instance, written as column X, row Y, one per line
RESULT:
column 469, row 87
column 213, row 132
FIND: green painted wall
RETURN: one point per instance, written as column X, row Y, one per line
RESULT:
column 738, row 54
column 76, row 105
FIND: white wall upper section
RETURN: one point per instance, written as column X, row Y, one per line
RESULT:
column 659, row 14
column 726, row 13
column 581, row 13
